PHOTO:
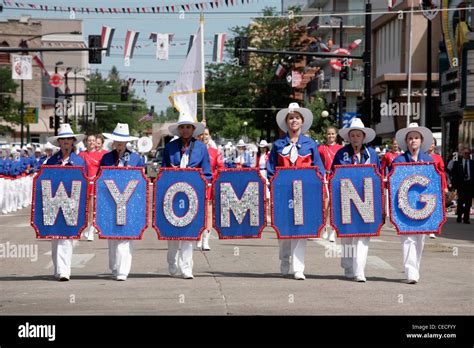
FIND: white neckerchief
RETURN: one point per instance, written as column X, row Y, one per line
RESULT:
column 291, row 149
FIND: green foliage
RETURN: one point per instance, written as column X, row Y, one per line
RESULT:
column 121, row 112
column 317, row 106
column 9, row 108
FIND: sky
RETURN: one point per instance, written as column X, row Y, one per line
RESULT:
column 143, row 65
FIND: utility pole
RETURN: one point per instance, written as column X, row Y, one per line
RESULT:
column 367, row 59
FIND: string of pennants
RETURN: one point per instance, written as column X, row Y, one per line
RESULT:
column 145, row 83
column 206, row 5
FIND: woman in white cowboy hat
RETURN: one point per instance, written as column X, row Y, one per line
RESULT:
column 185, row 152
column 294, row 149
column 415, row 141
column 262, row 157
column 356, row 153
column 243, row 159
column 62, row 248
column 120, row 251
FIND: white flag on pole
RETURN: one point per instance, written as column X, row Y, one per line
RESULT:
column 191, row 78
column 162, row 46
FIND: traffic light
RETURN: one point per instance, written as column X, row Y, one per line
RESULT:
column 124, row 93
column 376, row 110
column 346, row 73
column 241, row 42
column 363, row 111
column 51, row 122
column 1, row 8
column 332, row 111
column 95, row 56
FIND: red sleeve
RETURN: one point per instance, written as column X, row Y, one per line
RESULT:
column 220, row 161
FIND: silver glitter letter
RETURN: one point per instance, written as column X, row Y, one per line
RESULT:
column 249, row 202
column 365, row 208
column 121, row 199
column 69, row 206
column 404, row 205
column 180, row 221
column 298, row 202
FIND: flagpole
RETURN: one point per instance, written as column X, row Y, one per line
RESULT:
column 410, row 47
column 201, row 23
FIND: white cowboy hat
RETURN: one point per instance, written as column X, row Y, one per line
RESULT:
column 65, row 131
column 357, row 124
column 263, row 143
column 120, row 134
column 185, row 118
column 413, row 127
column 294, row 107
column 241, row 143
column 38, row 149
column 49, row 146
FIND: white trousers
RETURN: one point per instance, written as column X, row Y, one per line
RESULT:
column 120, row 256
column 61, row 253
column 354, row 256
column 412, row 249
column 2, row 194
column 296, row 248
column 180, row 253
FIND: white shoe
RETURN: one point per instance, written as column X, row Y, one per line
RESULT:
column 63, row 278
column 432, row 236
column 4, row 212
column 299, row 276
column 412, row 281
column 205, row 245
column 360, row 279
column 285, row 267
column 121, row 277
column 90, row 236
column 332, row 236
column 324, row 235
column 199, row 244
column 188, row 275
column 173, row 270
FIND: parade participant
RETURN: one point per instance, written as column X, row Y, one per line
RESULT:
column 229, row 155
column 92, row 159
column 62, row 248
column 48, row 150
column 185, row 152
column 327, row 152
column 243, row 159
column 294, row 150
column 37, row 159
column 217, row 163
column 357, row 152
column 415, row 141
column 99, row 144
column 389, row 156
column 262, row 157
column 120, row 251
column 463, row 183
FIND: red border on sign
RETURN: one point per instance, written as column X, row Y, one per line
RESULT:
column 321, row 227
column 397, row 228
column 155, row 183
column 33, row 206
column 94, row 222
column 331, row 219
column 265, row 203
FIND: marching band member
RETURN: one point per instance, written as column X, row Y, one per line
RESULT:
column 327, row 152
column 415, row 141
column 217, row 163
column 62, row 248
column 294, row 149
column 185, row 152
column 92, row 159
column 356, row 153
column 120, row 251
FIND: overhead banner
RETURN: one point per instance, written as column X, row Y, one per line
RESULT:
column 416, row 198
column 298, row 202
column 121, row 204
column 22, row 67
column 179, row 208
column 239, row 207
column 59, row 202
column 356, row 200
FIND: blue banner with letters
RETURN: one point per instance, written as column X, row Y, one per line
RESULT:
column 239, row 206
column 59, row 202
column 416, row 198
column 179, row 205
column 121, row 203
column 357, row 200
column 297, row 202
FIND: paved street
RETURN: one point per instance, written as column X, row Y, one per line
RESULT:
column 238, row 277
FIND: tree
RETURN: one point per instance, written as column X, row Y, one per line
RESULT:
column 9, row 108
column 317, row 105
column 128, row 112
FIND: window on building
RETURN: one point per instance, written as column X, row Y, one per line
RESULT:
column 4, row 57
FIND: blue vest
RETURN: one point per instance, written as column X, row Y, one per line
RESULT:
column 111, row 159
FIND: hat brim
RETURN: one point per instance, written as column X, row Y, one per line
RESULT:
column 307, row 118
column 119, row 138
column 369, row 134
column 54, row 140
column 198, row 128
column 401, row 135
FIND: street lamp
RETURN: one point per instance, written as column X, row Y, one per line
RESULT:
column 245, row 129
